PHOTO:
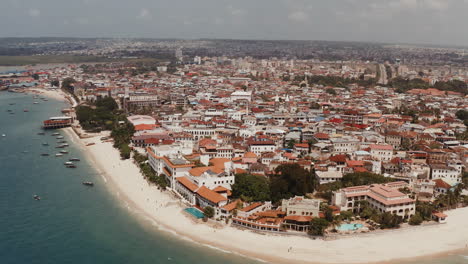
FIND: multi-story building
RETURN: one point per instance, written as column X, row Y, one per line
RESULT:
column 382, row 197
column 298, row 205
column 259, row 147
column 345, row 144
column 381, row 152
column 446, row 173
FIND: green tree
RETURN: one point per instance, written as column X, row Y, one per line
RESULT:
column 331, row 91
column 291, row 143
column 209, row 211
column 462, row 114
column 328, row 212
column 67, row 84
column 318, row 226
column 289, row 180
column 388, row 220
column 251, row 187
column 416, row 219
column 55, row 83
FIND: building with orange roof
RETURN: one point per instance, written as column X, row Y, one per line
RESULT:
column 381, row 197
column 250, row 158
column 381, row 152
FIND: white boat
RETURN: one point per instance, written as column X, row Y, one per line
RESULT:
column 3, row 135
column 59, row 137
column 55, row 134
column 58, row 155
column 36, row 102
column 68, row 163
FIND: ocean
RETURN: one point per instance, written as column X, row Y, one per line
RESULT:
column 73, row 223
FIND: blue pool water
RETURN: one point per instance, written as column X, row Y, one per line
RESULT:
column 349, row 227
column 195, row 212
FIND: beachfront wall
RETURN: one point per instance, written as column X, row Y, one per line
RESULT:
column 243, row 222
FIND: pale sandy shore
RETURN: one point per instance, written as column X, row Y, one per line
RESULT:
column 56, row 94
column 124, row 178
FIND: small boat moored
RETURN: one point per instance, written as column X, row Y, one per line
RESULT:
column 71, row 166
column 41, row 133
column 45, row 154
column 87, row 183
column 36, row 197
column 64, row 152
column 55, row 134
column 45, row 144
column 58, row 155
column 74, row 159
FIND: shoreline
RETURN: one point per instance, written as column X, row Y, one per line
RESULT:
column 130, row 183
column 125, row 179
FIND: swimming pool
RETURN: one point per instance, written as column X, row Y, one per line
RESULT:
column 195, row 212
column 350, row 227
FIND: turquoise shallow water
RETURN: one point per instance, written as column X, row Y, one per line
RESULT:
column 74, row 223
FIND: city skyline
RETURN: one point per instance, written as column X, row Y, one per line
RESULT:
column 433, row 22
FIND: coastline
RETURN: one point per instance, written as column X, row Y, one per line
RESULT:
column 165, row 209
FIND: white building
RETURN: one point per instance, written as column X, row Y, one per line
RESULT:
column 448, row 174
column 259, row 147
column 381, row 197
column 381, row 152
column 328, row 176
column 241, row 95
column 298, row 205
column 344, row 144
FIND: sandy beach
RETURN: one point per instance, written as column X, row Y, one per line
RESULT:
column 124, row 179
column 165, row 209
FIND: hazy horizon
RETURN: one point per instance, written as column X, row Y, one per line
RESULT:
column 420, row 22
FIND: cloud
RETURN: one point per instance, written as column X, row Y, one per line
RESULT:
column 33, row 12
column 438, row 5
column 82, row 21
column 236, row 11
column 144, row 14
column 298, row 16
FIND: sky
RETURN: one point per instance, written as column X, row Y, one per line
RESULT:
column 389, row 21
